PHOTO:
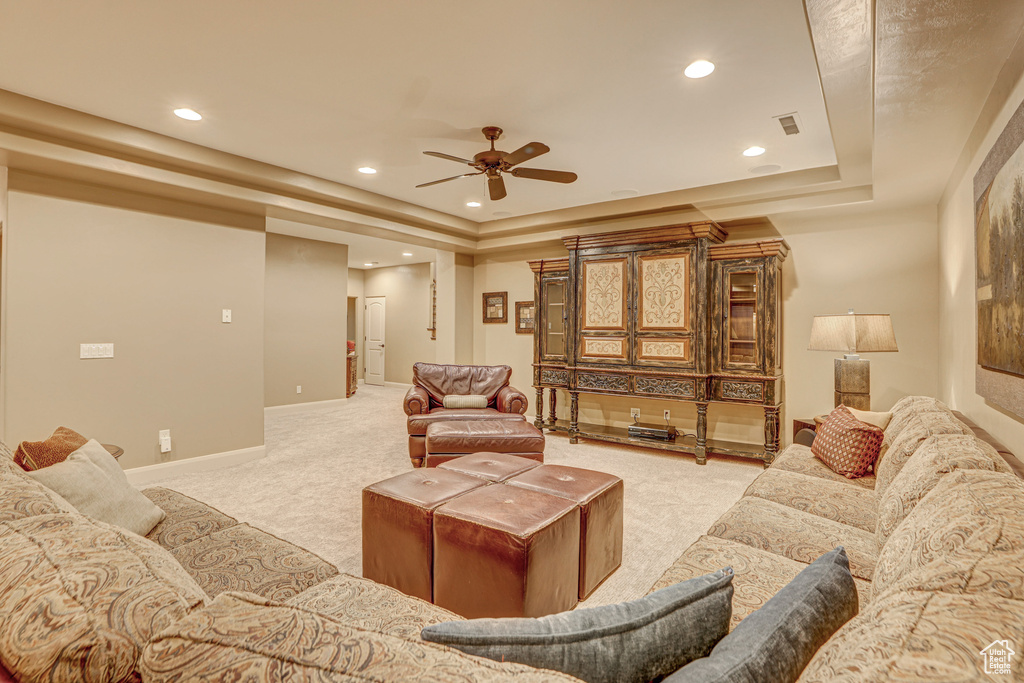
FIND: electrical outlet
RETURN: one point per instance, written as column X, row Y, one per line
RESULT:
column 225, row 315
column 165, row 440
column 635, row 414
column 668, row 415
column 298, row 389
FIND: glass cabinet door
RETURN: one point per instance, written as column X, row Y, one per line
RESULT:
column 554, row 318
column 741, row 325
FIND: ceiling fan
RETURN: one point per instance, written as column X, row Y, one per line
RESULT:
column 494, row 162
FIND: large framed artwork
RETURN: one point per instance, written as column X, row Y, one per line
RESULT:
column 999, row 253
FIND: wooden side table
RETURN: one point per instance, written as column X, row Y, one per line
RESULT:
column 115, row 451
column 803, row 423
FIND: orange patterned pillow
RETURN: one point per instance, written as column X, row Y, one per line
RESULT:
column 846, row 445
column 35, row 455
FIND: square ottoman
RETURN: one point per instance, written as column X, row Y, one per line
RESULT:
column 599, row 496
column 495, row 467
column 449, row 440
column 398, row 546
column 503, row 551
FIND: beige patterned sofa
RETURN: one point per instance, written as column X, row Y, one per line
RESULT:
column 935, row 539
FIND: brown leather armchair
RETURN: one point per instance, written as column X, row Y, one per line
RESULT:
column 432, row 382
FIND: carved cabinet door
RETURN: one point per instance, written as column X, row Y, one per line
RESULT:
column 665, row 308
column 604, row 309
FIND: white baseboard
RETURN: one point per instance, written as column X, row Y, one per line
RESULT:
column 400, row 385
column 293, row 408
column 141, row 476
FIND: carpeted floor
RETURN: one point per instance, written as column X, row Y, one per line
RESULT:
column 308, row 488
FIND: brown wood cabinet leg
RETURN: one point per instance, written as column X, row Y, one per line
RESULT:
column 771, row 434
column 553, row 398
column 538, row 420
column 701, row 450
column 574, row 413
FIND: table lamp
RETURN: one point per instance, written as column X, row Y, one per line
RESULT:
column 853, row 333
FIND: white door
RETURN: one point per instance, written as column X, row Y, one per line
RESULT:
column 374, row 350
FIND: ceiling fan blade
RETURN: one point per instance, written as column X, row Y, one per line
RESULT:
column 445, row 180
column 449, row 157
column 526, row 152
column 544, row 174
column 496, row 186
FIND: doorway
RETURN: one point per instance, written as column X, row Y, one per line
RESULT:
column 375, row 318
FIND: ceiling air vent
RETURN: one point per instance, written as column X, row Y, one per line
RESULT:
column 790, row 123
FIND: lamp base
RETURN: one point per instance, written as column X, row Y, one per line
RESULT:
column 853, row 383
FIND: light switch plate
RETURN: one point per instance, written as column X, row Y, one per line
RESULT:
column 96, row 351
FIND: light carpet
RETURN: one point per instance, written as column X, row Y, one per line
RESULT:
column 307, row 489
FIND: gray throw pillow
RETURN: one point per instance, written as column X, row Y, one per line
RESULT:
column 92, row 481
column 776, row 642
column 630, row 641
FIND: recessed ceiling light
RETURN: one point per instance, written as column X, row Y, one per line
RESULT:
column 188, row 114
column 368, row 265
column 406, row 253
column 754, row 151
column 367, row 170
column 472, row 205
column 699, row 69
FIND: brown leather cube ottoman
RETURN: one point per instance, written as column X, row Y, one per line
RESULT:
column 495, row 467
column 504, row 551
column 398, row 547
column 449, row 440
column 599, row 496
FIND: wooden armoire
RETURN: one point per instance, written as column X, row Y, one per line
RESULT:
column 673, row 313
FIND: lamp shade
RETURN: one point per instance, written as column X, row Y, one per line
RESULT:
column 852, row 333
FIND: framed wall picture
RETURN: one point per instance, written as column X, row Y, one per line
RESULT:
column 495, row 307
column 525, row 314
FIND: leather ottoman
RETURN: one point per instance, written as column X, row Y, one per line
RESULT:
column 496, row 467
column 599, row 496
column 398, row 548
column 504, row 551
column 449, row 440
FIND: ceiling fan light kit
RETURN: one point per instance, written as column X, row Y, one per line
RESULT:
column 493, row 162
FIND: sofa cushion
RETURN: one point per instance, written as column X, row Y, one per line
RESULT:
column 920, row 636
column 372, row 606
column 241, row 558
column 758, row 574
column 187, row 518
column 441, row 380
column 848, row 446
column 243, row 637
column 21, row 496
column 629, row 642
column 417, row 424
column 838, row 501
column 80, row 598
column 798, row 458
column 970, row 515
column 918, row 429
column 904, row 411
column 464, row 401
column 776, row 642
column 34, row 455
column 794, row 534
column 92, row 481
column 936, row 456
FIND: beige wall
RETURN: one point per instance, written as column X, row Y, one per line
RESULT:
column 355, row 289
column 958, row 313
column 407, row 300
column 872, row 260
column 154, row 286
column 306, row 313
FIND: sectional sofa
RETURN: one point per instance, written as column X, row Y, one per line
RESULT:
column 935, row 539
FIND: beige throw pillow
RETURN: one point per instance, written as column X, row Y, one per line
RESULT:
column 92, row 481
column 465, row 401
column 880, row 420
